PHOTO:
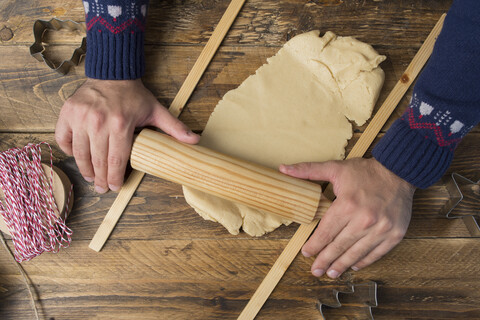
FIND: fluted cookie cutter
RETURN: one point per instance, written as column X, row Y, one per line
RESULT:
column 37, row 49
column 463, row 189
column 365, row 295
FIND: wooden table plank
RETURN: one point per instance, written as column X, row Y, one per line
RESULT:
column 31, row 95
column 260, row 23
column 213, row 279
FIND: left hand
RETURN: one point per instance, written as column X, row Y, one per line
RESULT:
column 369, row 216
column 96, row 126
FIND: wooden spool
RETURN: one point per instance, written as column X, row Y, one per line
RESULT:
column 61, row 190
column 227, row 177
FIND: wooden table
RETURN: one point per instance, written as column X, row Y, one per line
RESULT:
column 163, row 261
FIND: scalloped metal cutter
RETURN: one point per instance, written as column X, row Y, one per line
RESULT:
column 37, row 49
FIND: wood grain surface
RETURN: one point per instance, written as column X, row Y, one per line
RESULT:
column 163, row 261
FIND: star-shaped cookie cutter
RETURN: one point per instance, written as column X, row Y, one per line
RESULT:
column 454, row 186
column 37, row 49
column 367, row 292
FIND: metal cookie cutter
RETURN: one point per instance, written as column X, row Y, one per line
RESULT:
column 463, row 189
column 37, row 49
column 365, row 298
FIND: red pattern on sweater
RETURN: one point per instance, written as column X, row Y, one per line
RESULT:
column 115, row 29
column 442, row 142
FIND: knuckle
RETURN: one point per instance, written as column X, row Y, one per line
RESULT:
column 305, row 166
column 318, row 240
column 115, row 161
column 86, row 171
column 62, row 139
column 118, row 123
column 397, row 235
column 81, row 154
column 350, row 204
column 369, row 219
column 338, row 247
column 359, row 253
column 326, row 238
column 386, row 226
column 97, row 119
column 99, row 162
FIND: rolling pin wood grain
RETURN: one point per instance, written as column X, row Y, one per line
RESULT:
column 227, row 177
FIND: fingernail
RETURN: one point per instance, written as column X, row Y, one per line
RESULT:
column 285, row 167
column 114, row 188
column 355, row 268
column 99, row 189
column 333, row 274
column 306, row 254
column 318, row 272
column 88, row 179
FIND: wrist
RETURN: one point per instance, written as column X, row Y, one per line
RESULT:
column 113, row 83
column 391, row 177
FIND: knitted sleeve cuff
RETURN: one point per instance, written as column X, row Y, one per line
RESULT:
column 411, row 156
column 115, row 38
column 445, row 103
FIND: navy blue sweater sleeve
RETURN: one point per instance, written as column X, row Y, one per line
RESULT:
column 115, row 37
column 445, row 104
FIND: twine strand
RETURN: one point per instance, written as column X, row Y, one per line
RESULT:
column 29, row 209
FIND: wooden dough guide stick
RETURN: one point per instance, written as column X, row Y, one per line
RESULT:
column 305, row 230
column 179, row 102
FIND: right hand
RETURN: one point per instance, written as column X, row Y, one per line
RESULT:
column 367, row 219
column 96, row 126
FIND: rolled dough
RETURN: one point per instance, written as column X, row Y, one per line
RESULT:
column 295, row 108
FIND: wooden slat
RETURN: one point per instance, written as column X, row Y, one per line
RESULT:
column 205, row 57
column 358, row 150
column 212, row 279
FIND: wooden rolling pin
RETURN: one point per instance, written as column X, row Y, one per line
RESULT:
column 227, row 177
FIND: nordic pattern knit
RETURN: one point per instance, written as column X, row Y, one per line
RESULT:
column 115, row 37
column 418, row 147
column 445, row 104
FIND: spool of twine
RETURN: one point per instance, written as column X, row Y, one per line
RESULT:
column 35, row 196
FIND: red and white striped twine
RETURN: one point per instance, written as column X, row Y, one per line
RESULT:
column 29, row 207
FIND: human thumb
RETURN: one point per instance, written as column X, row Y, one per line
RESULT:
column 318, row 171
